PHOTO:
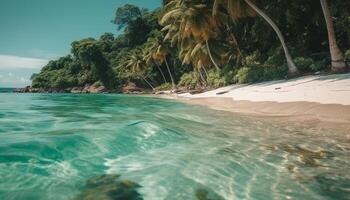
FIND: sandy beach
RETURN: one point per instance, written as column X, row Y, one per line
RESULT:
column 310, row 99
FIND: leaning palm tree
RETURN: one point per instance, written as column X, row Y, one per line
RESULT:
column 242, row 8
column 136, row 64
column 159, row 51
column 148, row 57
column 338, row 64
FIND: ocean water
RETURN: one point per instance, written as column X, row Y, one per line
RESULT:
column 64, row 146
column 7, row 90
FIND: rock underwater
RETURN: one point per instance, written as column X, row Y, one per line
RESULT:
column 109, row 187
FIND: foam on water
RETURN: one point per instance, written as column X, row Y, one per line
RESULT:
column 52, row 145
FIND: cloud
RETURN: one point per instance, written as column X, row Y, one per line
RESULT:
column 11, row 80
column 17, row 62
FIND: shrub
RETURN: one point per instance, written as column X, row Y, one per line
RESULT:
column 308, row 64
column 164, row 86
column 303, row 64
column 242, row 75
column 190, row 80
column 259, row 73
column 214, row 79
column 317, row 66
column 252, row 59
column 274, row 72
column 347, row 55
column 230, row 76
column 277, row 58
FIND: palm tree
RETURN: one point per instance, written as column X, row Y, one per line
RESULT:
column 195, row 54
column 186, row 19
column 242, row 8
column 136, row 64
column 159, row 51
column 338, row 64
column 148, row 57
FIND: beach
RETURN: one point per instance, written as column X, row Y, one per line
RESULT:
column 310, row 100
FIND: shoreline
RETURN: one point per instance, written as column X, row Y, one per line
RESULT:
column 320, row 101
column 323, row 101
column 307, row 113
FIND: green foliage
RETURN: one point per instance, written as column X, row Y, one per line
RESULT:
column 317, row 66
column 242, row 75
column 214, row 79
column 308, row 64
column 125, row 14
column 347, row 54
column 303, row 64
column 190, row 80
column 254, row 71
column 247, row 50
column 164, row 86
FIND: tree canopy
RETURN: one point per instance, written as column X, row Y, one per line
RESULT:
column 201, row 43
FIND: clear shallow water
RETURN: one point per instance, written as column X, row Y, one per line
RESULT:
column 79, row 146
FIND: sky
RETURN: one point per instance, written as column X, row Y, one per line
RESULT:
column 32, row 32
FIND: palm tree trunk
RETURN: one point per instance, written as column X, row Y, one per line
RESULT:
column 160, row 70
column 205, row 71
column 292, row 69
column 171, row 76
column 338, row 63
column 202, row 77
column 148, row 83
column 211, row 56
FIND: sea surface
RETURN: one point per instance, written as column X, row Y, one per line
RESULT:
column 65, row 146
column 7, row 90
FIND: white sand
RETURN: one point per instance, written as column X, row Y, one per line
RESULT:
column 330, row 89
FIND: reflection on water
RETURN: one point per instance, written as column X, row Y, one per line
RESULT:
column 71, row 146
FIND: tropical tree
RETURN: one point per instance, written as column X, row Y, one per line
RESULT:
column 338, row 64
column 189, row 20
column 159, row 51
column 89, row 52
column 136, row 64
column 197, row 55
column 148, row 57
column 243, row 8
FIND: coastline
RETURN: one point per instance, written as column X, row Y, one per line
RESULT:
column 308, row 113
column 320, row 101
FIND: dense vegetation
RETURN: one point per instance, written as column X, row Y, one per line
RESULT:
column 201, row 43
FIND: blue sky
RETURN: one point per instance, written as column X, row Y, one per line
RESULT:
column 35, row 31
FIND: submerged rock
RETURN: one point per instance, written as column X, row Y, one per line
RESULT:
column 203, row 194
column 309, row 158
column 109, row 187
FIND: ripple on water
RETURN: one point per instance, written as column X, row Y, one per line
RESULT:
column 72, row 146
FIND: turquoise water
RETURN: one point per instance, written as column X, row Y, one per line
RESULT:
column 7, row 90
column 62, row 146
